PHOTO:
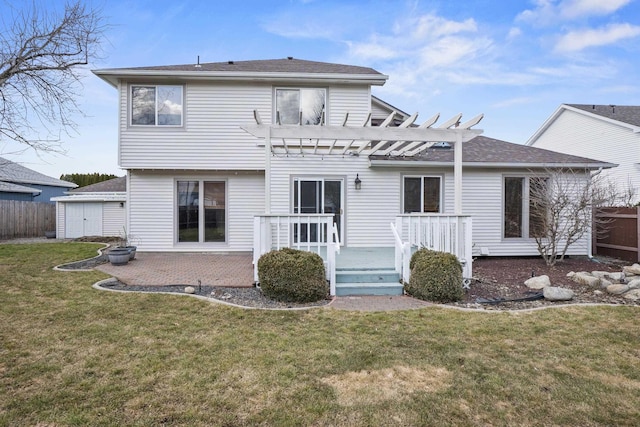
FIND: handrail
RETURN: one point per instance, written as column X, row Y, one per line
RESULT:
column 336, row 237
column 395, row 234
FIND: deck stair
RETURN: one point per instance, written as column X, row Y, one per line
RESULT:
column 367, row 281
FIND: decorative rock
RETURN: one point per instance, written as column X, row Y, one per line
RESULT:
column 617, row 289
column 631, row 269
column 616, row 276
column 585, row 279
column 634, row 284
column 189, row 290
column 597, row 292
column 633, row 295
column 604, row 283
column 600, row 274
column 554, row 293
column 538, row 282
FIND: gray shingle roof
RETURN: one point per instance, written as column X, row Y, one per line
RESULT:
column 285, row 65
column 623, row 113
column 114, row 185
column 482, row 149
column 7, row 187
column 13, row 172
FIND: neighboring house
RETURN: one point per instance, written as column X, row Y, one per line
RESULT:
column 93, row 210
column 20, row 183
column 252, row 155
column 607, row 132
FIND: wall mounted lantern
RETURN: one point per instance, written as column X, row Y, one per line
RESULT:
column 358, row 182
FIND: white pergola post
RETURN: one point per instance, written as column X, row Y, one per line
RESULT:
column 457, row 174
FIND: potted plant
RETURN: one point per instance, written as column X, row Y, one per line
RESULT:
column 119, row 256
column 126, row 243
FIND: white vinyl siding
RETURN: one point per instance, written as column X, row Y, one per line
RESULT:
column 113, row 218
column 585, row 136
column 211, row 137
column 153, row 214
column 482, row 199
column 355, row 100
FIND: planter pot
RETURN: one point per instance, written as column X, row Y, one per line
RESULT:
column 132, row 251
column 119, row 256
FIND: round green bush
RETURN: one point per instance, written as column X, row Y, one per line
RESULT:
column 291, row 275
column 435, row 276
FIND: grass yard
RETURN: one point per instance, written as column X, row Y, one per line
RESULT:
column 72, row 355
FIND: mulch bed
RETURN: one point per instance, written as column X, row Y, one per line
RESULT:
column 496, row 278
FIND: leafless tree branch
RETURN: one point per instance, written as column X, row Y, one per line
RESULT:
column 561, row 207
column 41, row 58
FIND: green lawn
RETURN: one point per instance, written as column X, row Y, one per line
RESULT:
column 72, row 355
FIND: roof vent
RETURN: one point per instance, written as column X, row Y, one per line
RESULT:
column 289, row 58
column 198, row 63
column 613, row 108
column 230, row 62
column 441, row 145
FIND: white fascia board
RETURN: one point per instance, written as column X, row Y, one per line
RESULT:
column 112, row 76
column 545, row 125
column 556, row 114
column 422, row 164
column 92, row 197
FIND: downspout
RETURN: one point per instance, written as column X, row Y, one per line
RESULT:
column 267, row 173
column 590, row 250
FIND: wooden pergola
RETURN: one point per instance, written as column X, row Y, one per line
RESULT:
column 405, row 140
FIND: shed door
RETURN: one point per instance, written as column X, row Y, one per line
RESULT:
column 92, row 219
column 83, row 219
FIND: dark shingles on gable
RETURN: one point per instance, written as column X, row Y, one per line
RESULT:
column 629, row 114
column 110, row 186
column 267, row 66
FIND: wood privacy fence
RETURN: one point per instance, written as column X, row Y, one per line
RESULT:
column 617, row 233
column 26, row 219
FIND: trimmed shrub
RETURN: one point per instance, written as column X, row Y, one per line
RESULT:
column 291, row 275
column 435, row 276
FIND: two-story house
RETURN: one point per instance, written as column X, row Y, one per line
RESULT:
column 252, row 155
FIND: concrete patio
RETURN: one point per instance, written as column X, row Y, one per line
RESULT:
column 234, row 270
column 163, row 268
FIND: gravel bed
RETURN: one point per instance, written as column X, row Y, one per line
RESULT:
column 245, row 297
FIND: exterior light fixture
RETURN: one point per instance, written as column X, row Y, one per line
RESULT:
column 358, row 182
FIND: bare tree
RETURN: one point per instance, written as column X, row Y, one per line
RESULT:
column 41, row 57
column 561, row 204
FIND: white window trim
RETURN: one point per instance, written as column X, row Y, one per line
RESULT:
column 422, row 176
column 275, row 106
column 156, row 125
column 176, row 226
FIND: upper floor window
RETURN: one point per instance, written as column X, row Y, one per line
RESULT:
column 422, row 194
column 156, row 105
column 300, row 106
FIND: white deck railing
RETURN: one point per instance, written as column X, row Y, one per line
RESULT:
column 403, row 255
column 439, row 232
column 308, row 232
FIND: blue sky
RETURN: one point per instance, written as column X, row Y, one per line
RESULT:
column 515, row 61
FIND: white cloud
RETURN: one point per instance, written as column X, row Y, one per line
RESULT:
column 546, row 12
column 577, row 8
column 581, row 39
column 514, row 32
